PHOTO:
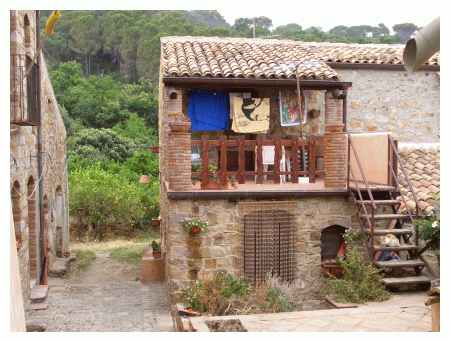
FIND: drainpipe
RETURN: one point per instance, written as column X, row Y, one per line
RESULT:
column 42, row 256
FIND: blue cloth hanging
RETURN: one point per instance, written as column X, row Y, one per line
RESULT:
column 209, row 111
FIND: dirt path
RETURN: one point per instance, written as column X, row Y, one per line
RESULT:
column 105, row 297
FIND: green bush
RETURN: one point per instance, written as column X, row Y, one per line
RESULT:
column 102, row 199
column 277, row 301
column 361, row 281
column 99, row 145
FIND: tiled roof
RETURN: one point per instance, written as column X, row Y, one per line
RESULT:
column 268, row 58
column 422, row 163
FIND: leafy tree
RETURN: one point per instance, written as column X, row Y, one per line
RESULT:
column 405, row 31
column 99, row 145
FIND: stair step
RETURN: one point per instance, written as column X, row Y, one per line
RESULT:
column 380, row 202
column 406, row 281
column 400, row 263
column 391, row 231
column 39, row 293
column 385, row 216
column 399, row 248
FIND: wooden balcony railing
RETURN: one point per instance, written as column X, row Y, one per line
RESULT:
column 241, row 159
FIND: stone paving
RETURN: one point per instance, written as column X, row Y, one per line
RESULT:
column 403, row 312
column 100, row 299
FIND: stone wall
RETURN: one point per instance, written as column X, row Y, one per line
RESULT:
column 24, row 162
column 221, row 247
column 384, row 100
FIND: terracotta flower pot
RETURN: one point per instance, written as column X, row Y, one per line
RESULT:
column 157, row 254
column 195, row 230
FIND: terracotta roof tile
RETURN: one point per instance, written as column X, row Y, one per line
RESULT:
column 269, row 58
column 422, row 164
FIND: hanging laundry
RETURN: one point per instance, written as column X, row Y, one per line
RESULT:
column 250, row 115
column 208, row 111
column 268, row 155
column 289, row 110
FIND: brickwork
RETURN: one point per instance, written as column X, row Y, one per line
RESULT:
column 335, row 160
column 179, row 156
column 24, row 155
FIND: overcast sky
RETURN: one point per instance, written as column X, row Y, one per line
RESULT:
column 328, row 14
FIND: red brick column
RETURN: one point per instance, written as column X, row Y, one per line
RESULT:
column 336, row 150
column 179, row 156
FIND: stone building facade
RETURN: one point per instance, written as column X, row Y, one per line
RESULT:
column 405, row 104
column 375, row 101
column 38, row 174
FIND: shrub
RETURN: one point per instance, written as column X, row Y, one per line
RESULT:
column 102, row 199
column 361, row 281
column 99, row 145
column 277, row 301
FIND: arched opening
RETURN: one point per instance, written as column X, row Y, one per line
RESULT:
column 269, row 245
column 17, row 213
column 332, row 243
column 27, row 31
column 59, row 222
column 32, row 231
column 43, row 242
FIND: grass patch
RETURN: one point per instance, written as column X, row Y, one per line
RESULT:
column 129, row 254
column 84, row 259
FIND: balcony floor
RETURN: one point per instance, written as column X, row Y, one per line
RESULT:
column 266, row 190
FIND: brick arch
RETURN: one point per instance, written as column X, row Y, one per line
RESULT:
column 17, row 212
column 44, row 240
column 331, row 239
column 32, row 228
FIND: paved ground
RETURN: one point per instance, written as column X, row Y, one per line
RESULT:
column 105, row 297
column 404, row 312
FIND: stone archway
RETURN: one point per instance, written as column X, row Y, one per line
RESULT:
column 331, row 240
column 32, row 229
column 17, row 213
column 60, row 217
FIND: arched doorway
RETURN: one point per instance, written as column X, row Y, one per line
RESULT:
column 17, row 213
column 43, row 241
column 32, row 230
column 59, row 243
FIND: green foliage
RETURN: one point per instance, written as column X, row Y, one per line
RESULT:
column 102, row 199
column 430, row 230
column 190, row 224
column 99, row 145
column 156, row 247
column 215, row 295
column 135, row 129
column 361, row 282
column 277, row 301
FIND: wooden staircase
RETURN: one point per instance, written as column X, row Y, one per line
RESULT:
column 379, row 215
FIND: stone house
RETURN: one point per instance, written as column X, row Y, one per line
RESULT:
column 38, row 170
column 281, row 147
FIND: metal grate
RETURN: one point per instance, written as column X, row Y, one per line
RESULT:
column 269, row 245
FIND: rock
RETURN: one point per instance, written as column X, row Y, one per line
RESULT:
column 35, row 326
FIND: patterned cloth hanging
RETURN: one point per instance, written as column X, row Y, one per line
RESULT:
column 250, row 115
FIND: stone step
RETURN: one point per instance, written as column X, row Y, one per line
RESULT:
column 39, row 293
column 417, row 280
column 385, row 216
column 60, row 267
column 399, row 248
column 399, row 263
column 380, row 202
column 401, row 231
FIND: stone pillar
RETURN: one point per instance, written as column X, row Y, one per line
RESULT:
column 336, row 148
column 179, row 156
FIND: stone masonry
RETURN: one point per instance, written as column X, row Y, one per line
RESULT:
column 33, row 239
column 395, row 101
column 220, row 248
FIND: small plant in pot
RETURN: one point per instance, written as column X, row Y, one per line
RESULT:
column 194, row 226
column 156, row 249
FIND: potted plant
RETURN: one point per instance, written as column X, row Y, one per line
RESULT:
column 194, row 226
column 156, row 249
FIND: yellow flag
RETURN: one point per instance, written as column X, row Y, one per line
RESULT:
column 51, row 21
